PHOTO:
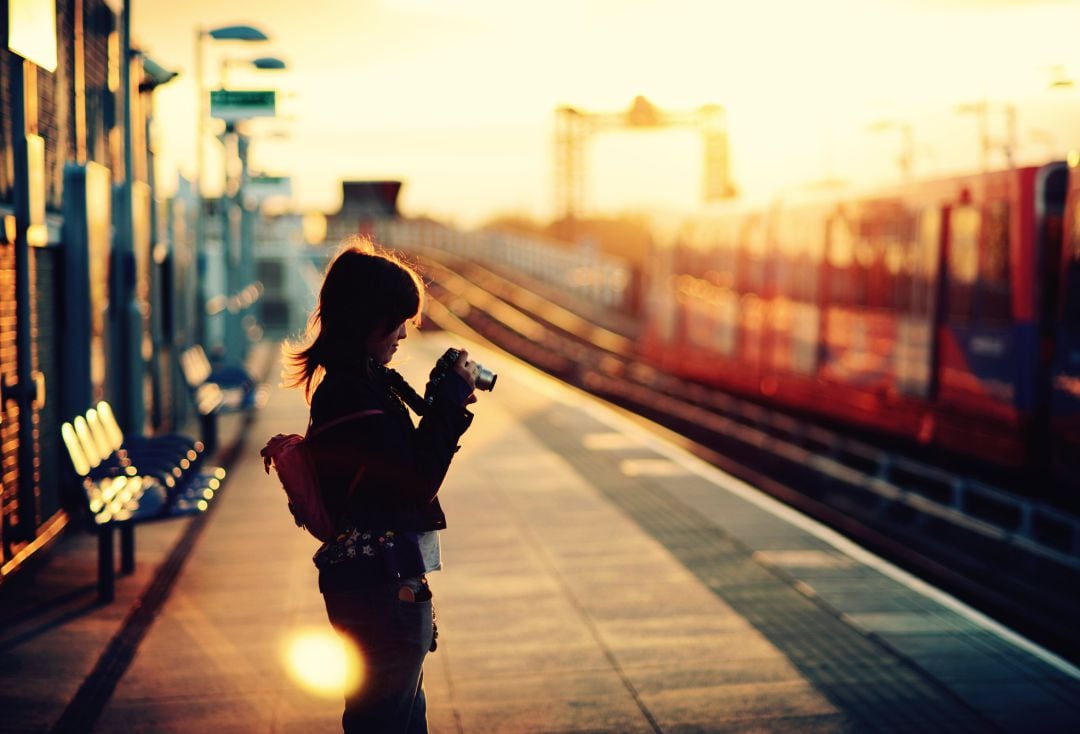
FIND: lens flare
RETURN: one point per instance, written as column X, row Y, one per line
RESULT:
column 322, row 663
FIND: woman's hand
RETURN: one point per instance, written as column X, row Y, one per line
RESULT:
column 467, row 370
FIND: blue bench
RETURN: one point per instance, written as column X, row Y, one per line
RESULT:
column 166, row 457
column 216, row 391
column 170, row 481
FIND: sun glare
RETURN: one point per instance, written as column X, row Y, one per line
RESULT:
column 458, row 99
column 322, row 663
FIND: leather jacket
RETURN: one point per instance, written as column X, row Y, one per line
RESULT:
column 381, row 473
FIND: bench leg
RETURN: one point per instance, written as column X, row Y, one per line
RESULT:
column 209, row 432
column 127, row 549
column 106, row 565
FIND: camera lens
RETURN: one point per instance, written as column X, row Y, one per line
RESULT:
column 485, row 378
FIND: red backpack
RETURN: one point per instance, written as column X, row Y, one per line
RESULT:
column 291, row 458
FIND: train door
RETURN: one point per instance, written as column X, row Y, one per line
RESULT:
column 728, row 306
column 988, row 339
column 794, row 328
column 884, row 236
column 808, row 287
column 1065, row 371
column 918, row 297
column 777, row 332
column 751, row 282
column 660, row 301
column 845, row 297
column 696, row 292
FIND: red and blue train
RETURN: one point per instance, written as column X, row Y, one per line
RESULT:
column 946, row 312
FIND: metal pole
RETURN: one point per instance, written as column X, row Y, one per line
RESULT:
column 231, row 246
column 247, row 240
column 127, row 355
column 199, row 330
column 160, row 286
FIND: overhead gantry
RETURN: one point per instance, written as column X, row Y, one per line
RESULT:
column 574, row 129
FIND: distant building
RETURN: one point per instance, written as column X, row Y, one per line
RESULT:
column 290, row 272
column 362, row 204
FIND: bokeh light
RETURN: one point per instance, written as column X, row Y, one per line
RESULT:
column 320, row 662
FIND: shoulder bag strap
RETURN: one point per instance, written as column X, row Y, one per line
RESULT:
column 342, row 419
column 338, row 421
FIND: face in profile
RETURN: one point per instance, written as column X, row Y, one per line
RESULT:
column 381, row 345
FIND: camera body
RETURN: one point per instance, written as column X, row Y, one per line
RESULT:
column 485, row 378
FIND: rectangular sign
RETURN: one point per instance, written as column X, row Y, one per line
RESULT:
column 231, row 105
column 32, row 31
column 263, row 187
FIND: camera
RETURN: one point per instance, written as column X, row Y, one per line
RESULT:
column 485, row 378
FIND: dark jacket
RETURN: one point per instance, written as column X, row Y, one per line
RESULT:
column 381, row 472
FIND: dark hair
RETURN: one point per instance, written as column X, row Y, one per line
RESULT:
column 365, row 291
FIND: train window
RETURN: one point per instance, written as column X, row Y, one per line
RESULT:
column 929, row 242
column 963, row 262
column 926, row 256
column 814, row 252
column 1071, row 290
column 754, row 240
column 995, row 303
column 1074, row 230
column 785, row 256
column 847, row 281
column 1071, row 307
column 724, row 255
column 272, row 274
column 869, row 253
column 899, row 270
column 815, row 239
column 841, row 244
column 274, row 312
column 964, row 244
column 880, row 253
column 750, row 277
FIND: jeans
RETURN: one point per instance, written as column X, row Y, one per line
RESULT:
column 392, row 637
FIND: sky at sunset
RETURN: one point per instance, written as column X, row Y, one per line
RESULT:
column 458, row 98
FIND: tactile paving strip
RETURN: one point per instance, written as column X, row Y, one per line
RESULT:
column 879, row 690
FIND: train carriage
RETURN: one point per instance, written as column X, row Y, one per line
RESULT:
column 991, row 368
column 705, row 316
column 1064, row 422
column 927, row 311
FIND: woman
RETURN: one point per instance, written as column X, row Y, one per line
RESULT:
column 381, row 475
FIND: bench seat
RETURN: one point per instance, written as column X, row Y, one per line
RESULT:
column 126, row 483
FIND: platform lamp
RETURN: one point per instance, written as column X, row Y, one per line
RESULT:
column 244, row 33
column 1059, row 78
column 262, row 63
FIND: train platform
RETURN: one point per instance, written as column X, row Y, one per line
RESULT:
column 597, row 578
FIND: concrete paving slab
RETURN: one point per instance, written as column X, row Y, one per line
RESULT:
column 718, row 706
column 593, row 714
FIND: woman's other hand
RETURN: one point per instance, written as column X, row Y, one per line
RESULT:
column 467, row 370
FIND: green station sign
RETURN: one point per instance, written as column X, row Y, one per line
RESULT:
column 231, row 105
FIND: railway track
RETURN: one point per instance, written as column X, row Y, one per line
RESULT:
column 1015, row 559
